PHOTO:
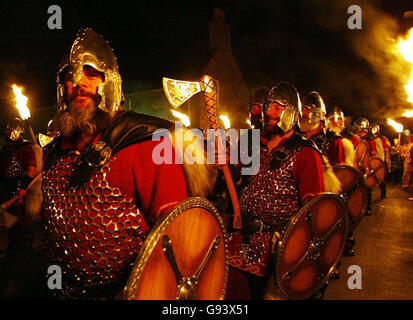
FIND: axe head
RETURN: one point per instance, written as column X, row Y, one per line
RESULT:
column 178, row 91
column 44, row 139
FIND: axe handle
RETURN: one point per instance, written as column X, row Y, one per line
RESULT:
column 210, row 98
column 236, row 223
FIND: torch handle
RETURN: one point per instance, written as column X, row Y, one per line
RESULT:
column 210, row 98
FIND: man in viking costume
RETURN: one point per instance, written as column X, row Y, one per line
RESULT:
column 380, row 148
column 312, row 125
column 362, row 151
column 361, row 146
column 335, row 122
column 290, row 174
column 18, row 167
column 255, row 107
column 102, row 189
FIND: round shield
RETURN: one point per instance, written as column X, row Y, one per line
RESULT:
column 184, row 256
column 311, row 246
column 361, row 155
column 377, row 172
column 354, row 192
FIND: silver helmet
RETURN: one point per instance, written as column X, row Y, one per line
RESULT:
column 255, row 108
column 15, row 129
column 335, row 114
column 361, row 124
column 91, row 49
column 374, row 128
column 286, row 95
column 315, row 103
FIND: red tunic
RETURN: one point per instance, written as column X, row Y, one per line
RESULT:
column 372, row 145
column 335, row 152
column 157, row 188
column 96, row 230
column 355, row 139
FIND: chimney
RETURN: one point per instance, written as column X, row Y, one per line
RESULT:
column 219, row 31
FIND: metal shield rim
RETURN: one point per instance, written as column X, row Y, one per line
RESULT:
column 155, row 234
column 294, row 219
column 363, row 183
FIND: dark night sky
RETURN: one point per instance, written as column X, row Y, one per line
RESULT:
column 305, row 42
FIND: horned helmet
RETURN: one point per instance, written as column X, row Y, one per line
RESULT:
column 91, row 49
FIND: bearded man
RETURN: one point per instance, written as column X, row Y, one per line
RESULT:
column 102, row 190
column 290, row 174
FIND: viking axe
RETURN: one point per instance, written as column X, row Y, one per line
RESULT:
column 177, row 92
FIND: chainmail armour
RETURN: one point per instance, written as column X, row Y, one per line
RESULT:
column 12, row 169
column 272, row 197
column 11, row 166
column 95, row 231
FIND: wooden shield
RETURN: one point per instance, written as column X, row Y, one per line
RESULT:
column 184, row 256
column 354, row 193
column 311, row 246
column 377, row 172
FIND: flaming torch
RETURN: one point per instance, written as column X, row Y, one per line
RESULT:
column 405, row 47
column 21, row 105
column 397, row 126
column 408, row 114
column 225, row 120
column 183, row 117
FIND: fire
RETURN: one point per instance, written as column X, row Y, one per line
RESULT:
column 408, row 114
column 397, row 126
column 249, row 123
column 405, row 47
column 21, row 102
column 183, row 117
column 225, row 119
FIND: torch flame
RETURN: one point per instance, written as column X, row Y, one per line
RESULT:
column 21, row 102
column 397, row 126
column 184, row 118
column 408, row 114
column 225, row 119
column 249, row 123
column 405, row 47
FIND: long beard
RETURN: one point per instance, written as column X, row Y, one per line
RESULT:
column 81, row 122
